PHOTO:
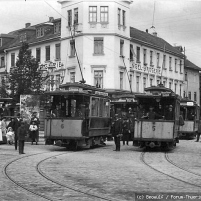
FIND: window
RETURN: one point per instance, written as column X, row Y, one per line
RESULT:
column 2, row 64
column 0, row 42
column 170, row 85
column 76, row 16
column 123, row 18
column 157, row 59
column 98, row 45
column 92, row 14
column 57, row 27
column 23, row 37
column 121, row 47
column 195, row 96
column 119, row 16
column 98, row 78
column 189, row 95
column 104, row 108
column 72, row 77
column 170, row 63
column 121, row 80
column 144, row 82
column 47, row 55
column 38, row 54
column 57, row 53
column 184, row 94
column 158, row 82
column 94, row 107
column 186, row 76
column 104, row 14
column 151, row 57
column 164, row 61
column 39, row 32
column 131, row 53
column 57, row 81
column 180, row 66
column 175, row 88
column 151, row 82
column 180, row 89
column 138, row 54
column 137, row 83
column 69, row 18
column 175, row 65
column 145, row 57
column 12, row 59
column 72, row 48
column 164, row 83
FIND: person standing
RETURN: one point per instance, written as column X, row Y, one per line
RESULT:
column 37, row 123
column 33, row 132
column 17, row 123
column 21, row 133
column 117, row 131
column 125, row 129
column 198, row 131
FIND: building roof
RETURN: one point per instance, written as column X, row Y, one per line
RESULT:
column 189, row 64
column 152, row 41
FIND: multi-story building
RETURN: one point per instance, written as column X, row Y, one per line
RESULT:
column 94, row 41
column 191, row 81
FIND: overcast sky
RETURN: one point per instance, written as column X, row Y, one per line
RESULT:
column 176, row 21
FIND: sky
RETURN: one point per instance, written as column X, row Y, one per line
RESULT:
column 176, row 21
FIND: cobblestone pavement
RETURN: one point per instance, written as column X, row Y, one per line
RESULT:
column 101, row 172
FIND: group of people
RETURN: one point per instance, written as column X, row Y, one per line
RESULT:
column 17, row 130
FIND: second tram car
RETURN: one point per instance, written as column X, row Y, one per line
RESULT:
column 157, row 123
column 191, row 113
column 79, row 115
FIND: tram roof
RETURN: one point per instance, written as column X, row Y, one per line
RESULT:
column 5, row 99
column 78, row 88
column 159, row 88
column 187, row 102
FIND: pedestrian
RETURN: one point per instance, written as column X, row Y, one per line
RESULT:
column 10, row 135
column 198, row 131
column 37, row 123
column 125, row 129
column 3, row 110
column 3, row 127
column 117, row 131
column 17, row 123
column 21, row 133
column 33, row 132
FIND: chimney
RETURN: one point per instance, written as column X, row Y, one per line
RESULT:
column 51, row 19
column 147, row 31
column 27, row 25
column 154, row 33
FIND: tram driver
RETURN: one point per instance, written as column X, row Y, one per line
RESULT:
column 153, row 115
column 169, row 114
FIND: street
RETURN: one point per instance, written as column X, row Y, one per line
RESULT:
column 48, row 172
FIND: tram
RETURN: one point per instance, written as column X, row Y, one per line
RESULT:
column 77, row 115
column 157, row 123
column 191, row 113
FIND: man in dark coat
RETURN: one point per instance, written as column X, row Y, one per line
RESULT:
column 198, row 131
column 169, row 114
column 21, row 133
column 125, row 129
column 117, row 128
column 17, row 123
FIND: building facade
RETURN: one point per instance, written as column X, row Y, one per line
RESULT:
column 94, row 41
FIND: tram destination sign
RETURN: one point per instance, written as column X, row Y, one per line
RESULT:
column 100, row 93
column 75, row 89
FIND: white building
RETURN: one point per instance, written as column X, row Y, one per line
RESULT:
column 112, row 54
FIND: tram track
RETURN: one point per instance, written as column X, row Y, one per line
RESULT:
column 171, row 169
column 52, row 183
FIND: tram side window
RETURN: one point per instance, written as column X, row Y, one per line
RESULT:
column 104, row 108
column 94, row 107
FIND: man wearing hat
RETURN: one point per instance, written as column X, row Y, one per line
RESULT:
column 169, row 113
column 125, row 129
column 17, row 123
column 152, row 114
column 117, row 123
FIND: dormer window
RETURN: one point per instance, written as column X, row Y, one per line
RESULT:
column 57, row 27
column 39, row 32
column 23, row 37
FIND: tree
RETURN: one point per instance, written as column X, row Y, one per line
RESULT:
column 25, row 77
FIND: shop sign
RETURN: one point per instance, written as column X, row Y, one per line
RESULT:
column 147, row 69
